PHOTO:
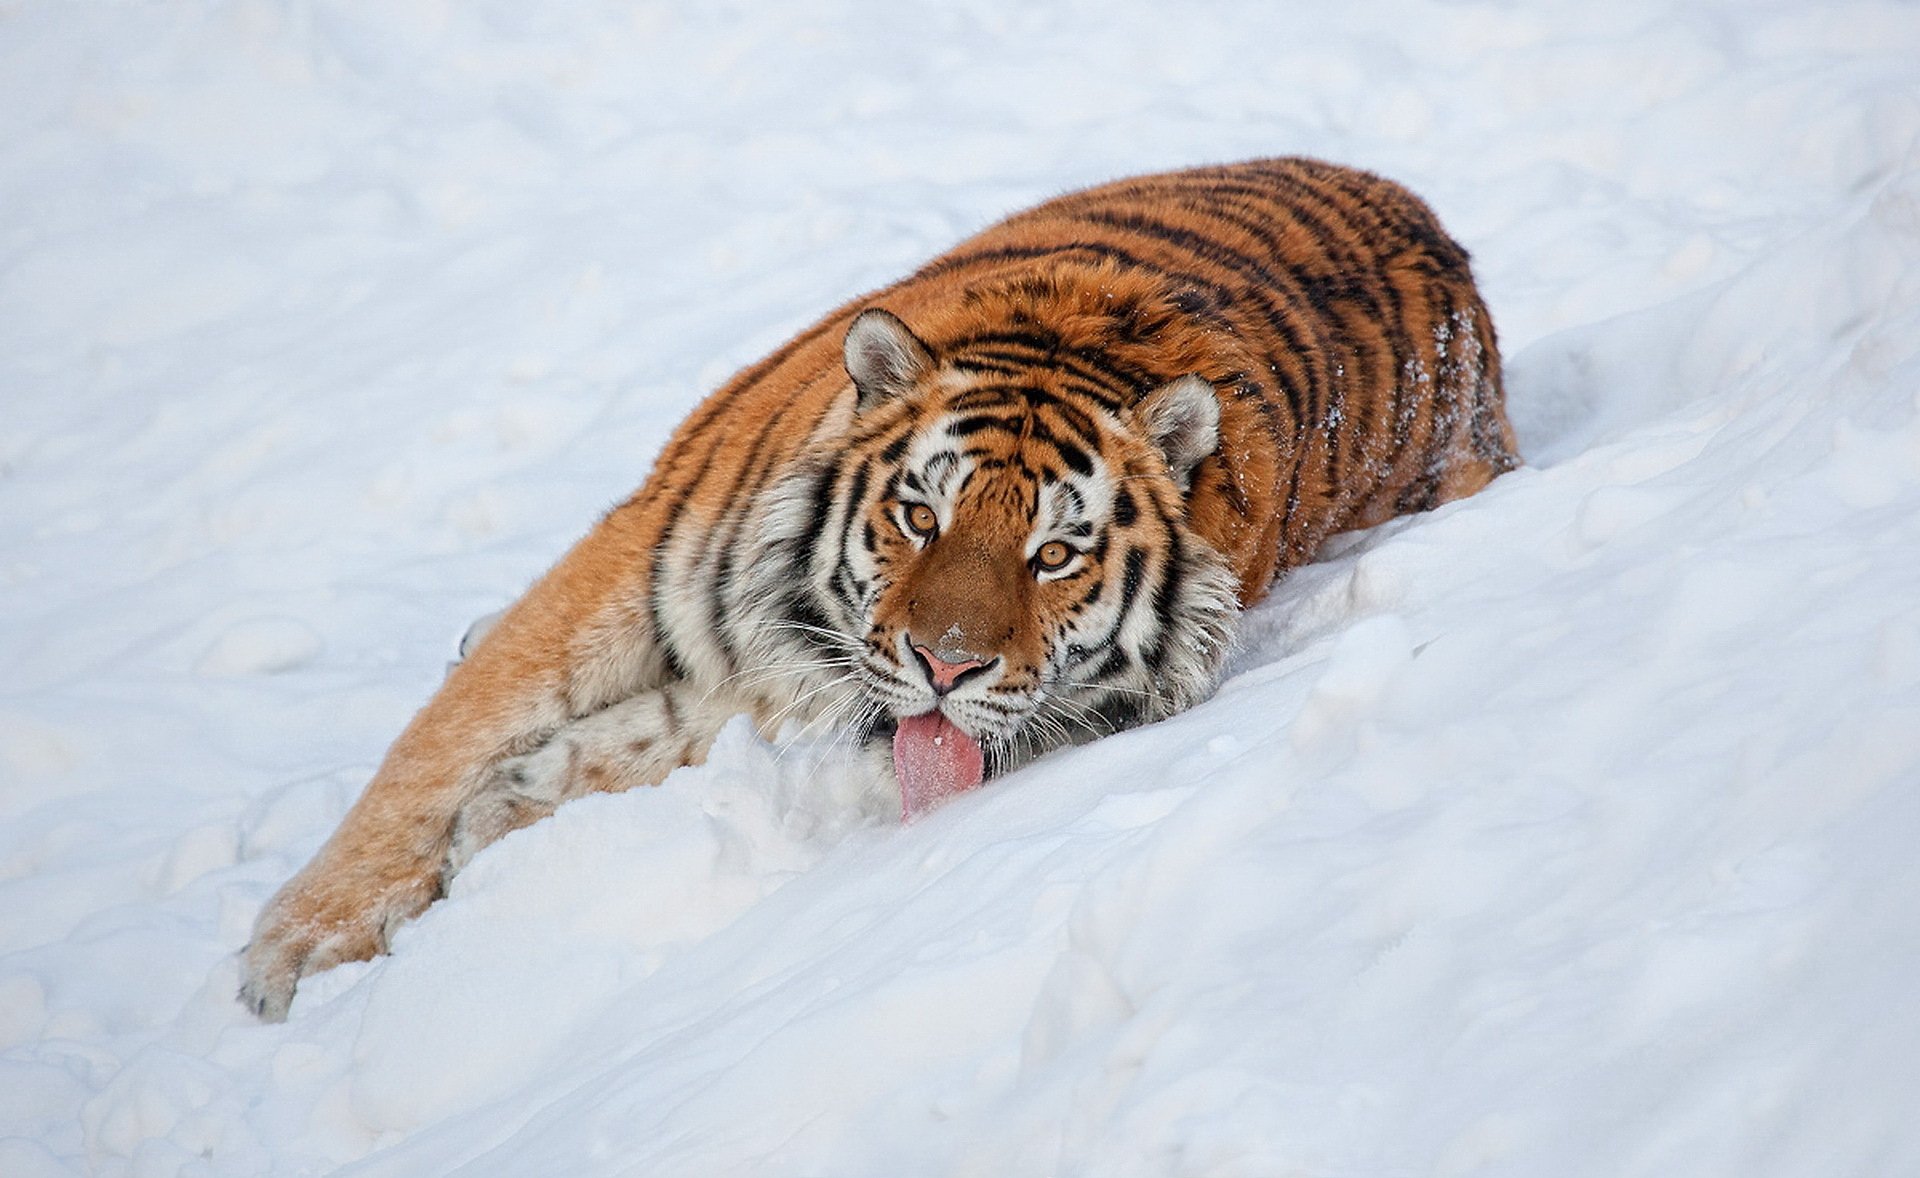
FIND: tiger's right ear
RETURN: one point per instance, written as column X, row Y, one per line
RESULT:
column 884, row 357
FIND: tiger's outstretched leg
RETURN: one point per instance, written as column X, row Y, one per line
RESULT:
column 635, row 742
column 575, row 643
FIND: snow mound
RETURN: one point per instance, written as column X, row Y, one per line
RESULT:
column 1565, row 830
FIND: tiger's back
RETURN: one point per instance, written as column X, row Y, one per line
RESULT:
column 1357, row 367
column 1007, row 503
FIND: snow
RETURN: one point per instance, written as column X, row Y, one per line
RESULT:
column 1566, row 830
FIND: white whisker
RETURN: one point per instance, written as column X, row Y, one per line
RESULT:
column 768, row 671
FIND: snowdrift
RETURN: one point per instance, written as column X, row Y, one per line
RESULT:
column 1565, row 830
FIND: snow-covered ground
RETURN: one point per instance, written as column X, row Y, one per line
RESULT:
column 1566, row 831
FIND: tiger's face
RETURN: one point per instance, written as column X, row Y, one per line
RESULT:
column 1013, row 555
column 994, row 553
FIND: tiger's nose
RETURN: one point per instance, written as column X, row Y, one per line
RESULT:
column 943, row 676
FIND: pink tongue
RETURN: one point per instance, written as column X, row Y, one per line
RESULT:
column 934, row 760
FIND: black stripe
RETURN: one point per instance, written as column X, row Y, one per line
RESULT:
column 802, row 608
column 821, row 504
column 858, row 488
column 1099, row 376
column 725, row 540
column 1282, row 318
column 968, row 426
column 662, row 547
column 856, row 491
column 1111, row 667
column 1172, row 572
column 1092, row 594
column 1077, row 422
column 976, row 364
column 1262, row 279
column 847, row 586
column 1302, row 186
column 1283, row 436
column 1133, row 572
column 1299, row 553
column 1322, row 291
column 993, row 396
column 1075, row 458
column 1449, row 398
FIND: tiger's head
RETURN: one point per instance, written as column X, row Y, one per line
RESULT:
column 1003, row 553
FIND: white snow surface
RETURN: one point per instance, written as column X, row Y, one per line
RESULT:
column 1566, row 831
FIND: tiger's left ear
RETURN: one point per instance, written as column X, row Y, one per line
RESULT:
column 1183, row 419
column 883, row 356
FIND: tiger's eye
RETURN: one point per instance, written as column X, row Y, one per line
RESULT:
column 922, row 520
column 1053, row 555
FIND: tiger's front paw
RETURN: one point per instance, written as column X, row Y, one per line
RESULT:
column 318, row 920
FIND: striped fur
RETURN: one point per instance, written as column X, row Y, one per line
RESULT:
column 1069, row 452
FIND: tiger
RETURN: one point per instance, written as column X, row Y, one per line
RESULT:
column 1015, row 501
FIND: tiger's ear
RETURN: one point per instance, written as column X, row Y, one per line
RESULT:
column 1183, row 419
column 884, row 357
